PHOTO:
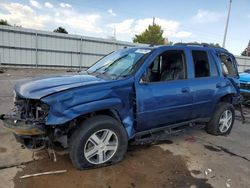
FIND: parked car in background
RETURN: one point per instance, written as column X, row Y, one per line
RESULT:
column 131, row 94
column 245, row 86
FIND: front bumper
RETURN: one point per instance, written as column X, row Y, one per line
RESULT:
column 30, row 135
column 20, row 127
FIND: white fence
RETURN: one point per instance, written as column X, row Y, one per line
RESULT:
column 33, row 48
column 243, row 63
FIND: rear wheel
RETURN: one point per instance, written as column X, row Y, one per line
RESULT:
column 222, row 120
column 99, row 141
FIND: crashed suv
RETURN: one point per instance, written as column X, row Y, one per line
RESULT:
column 131, row 94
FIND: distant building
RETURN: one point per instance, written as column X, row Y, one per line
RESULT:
column 246, row 52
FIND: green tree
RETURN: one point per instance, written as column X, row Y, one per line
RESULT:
column 60, row 30
column 4, row 22
column 152, row 35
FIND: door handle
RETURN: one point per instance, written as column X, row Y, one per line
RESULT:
column 185, row 90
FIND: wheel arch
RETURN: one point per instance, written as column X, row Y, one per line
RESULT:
column 111, row 112
column 226, row 98
column 107, row 111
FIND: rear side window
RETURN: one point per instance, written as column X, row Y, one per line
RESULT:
column 228, row 65
column 201, row 64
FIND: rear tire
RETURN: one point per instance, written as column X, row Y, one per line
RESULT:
column 222, row 121
column 99, row 141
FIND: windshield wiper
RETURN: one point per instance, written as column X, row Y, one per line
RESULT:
column 100, row 68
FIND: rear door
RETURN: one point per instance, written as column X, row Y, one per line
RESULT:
column 206, row 82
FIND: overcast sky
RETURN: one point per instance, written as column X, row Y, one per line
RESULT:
column 181, row 20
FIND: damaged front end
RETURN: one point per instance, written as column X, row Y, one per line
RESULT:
column 27, row 122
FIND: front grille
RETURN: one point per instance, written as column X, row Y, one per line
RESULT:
column 245, row 86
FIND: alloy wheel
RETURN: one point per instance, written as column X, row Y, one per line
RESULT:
column 101, row 146
column 225, row 121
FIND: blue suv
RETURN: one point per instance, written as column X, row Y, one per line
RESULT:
column 131, row 94
column 245, row 86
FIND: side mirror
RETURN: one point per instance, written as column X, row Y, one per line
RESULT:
column 144, row 78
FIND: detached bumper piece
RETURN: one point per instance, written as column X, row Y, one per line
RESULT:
column 30, row 136
column 20, row 127
column 237, row 102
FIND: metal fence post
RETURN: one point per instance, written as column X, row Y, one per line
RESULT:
column 36, row 50
column 80, row 59
column 71, row 61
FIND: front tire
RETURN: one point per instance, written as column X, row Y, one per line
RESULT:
column 99, row 141
column 222, row 120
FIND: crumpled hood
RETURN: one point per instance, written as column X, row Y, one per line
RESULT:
column 36, row 88
column 244, row 77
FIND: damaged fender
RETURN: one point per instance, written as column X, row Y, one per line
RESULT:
column 66, row 106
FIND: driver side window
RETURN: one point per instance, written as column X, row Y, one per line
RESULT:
column 168, row 66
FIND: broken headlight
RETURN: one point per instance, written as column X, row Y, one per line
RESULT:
column 41, row 111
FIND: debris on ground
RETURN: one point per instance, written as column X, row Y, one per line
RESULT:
column 2, row 70
column 72, row 70
column 43, row 173
column 191, row 139
column 228, row 183
column 208, row 171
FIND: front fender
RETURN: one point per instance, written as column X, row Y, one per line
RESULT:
column 57, row 115
column 68, row 105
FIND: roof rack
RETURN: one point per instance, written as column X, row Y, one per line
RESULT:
column 199, row 44
column 192, row 44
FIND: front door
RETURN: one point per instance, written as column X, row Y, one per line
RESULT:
column 163, row 94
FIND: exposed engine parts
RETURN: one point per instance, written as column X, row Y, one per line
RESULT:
column 30, row 110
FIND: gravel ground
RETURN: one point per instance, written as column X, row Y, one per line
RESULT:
column 191, row 159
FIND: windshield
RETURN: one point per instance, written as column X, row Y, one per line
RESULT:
column 120, row 63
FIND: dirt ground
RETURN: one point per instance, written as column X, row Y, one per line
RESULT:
column 138, row 169
column 191, row 159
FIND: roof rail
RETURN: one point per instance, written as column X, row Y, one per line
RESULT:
column 199, row 44
column 192, row 44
